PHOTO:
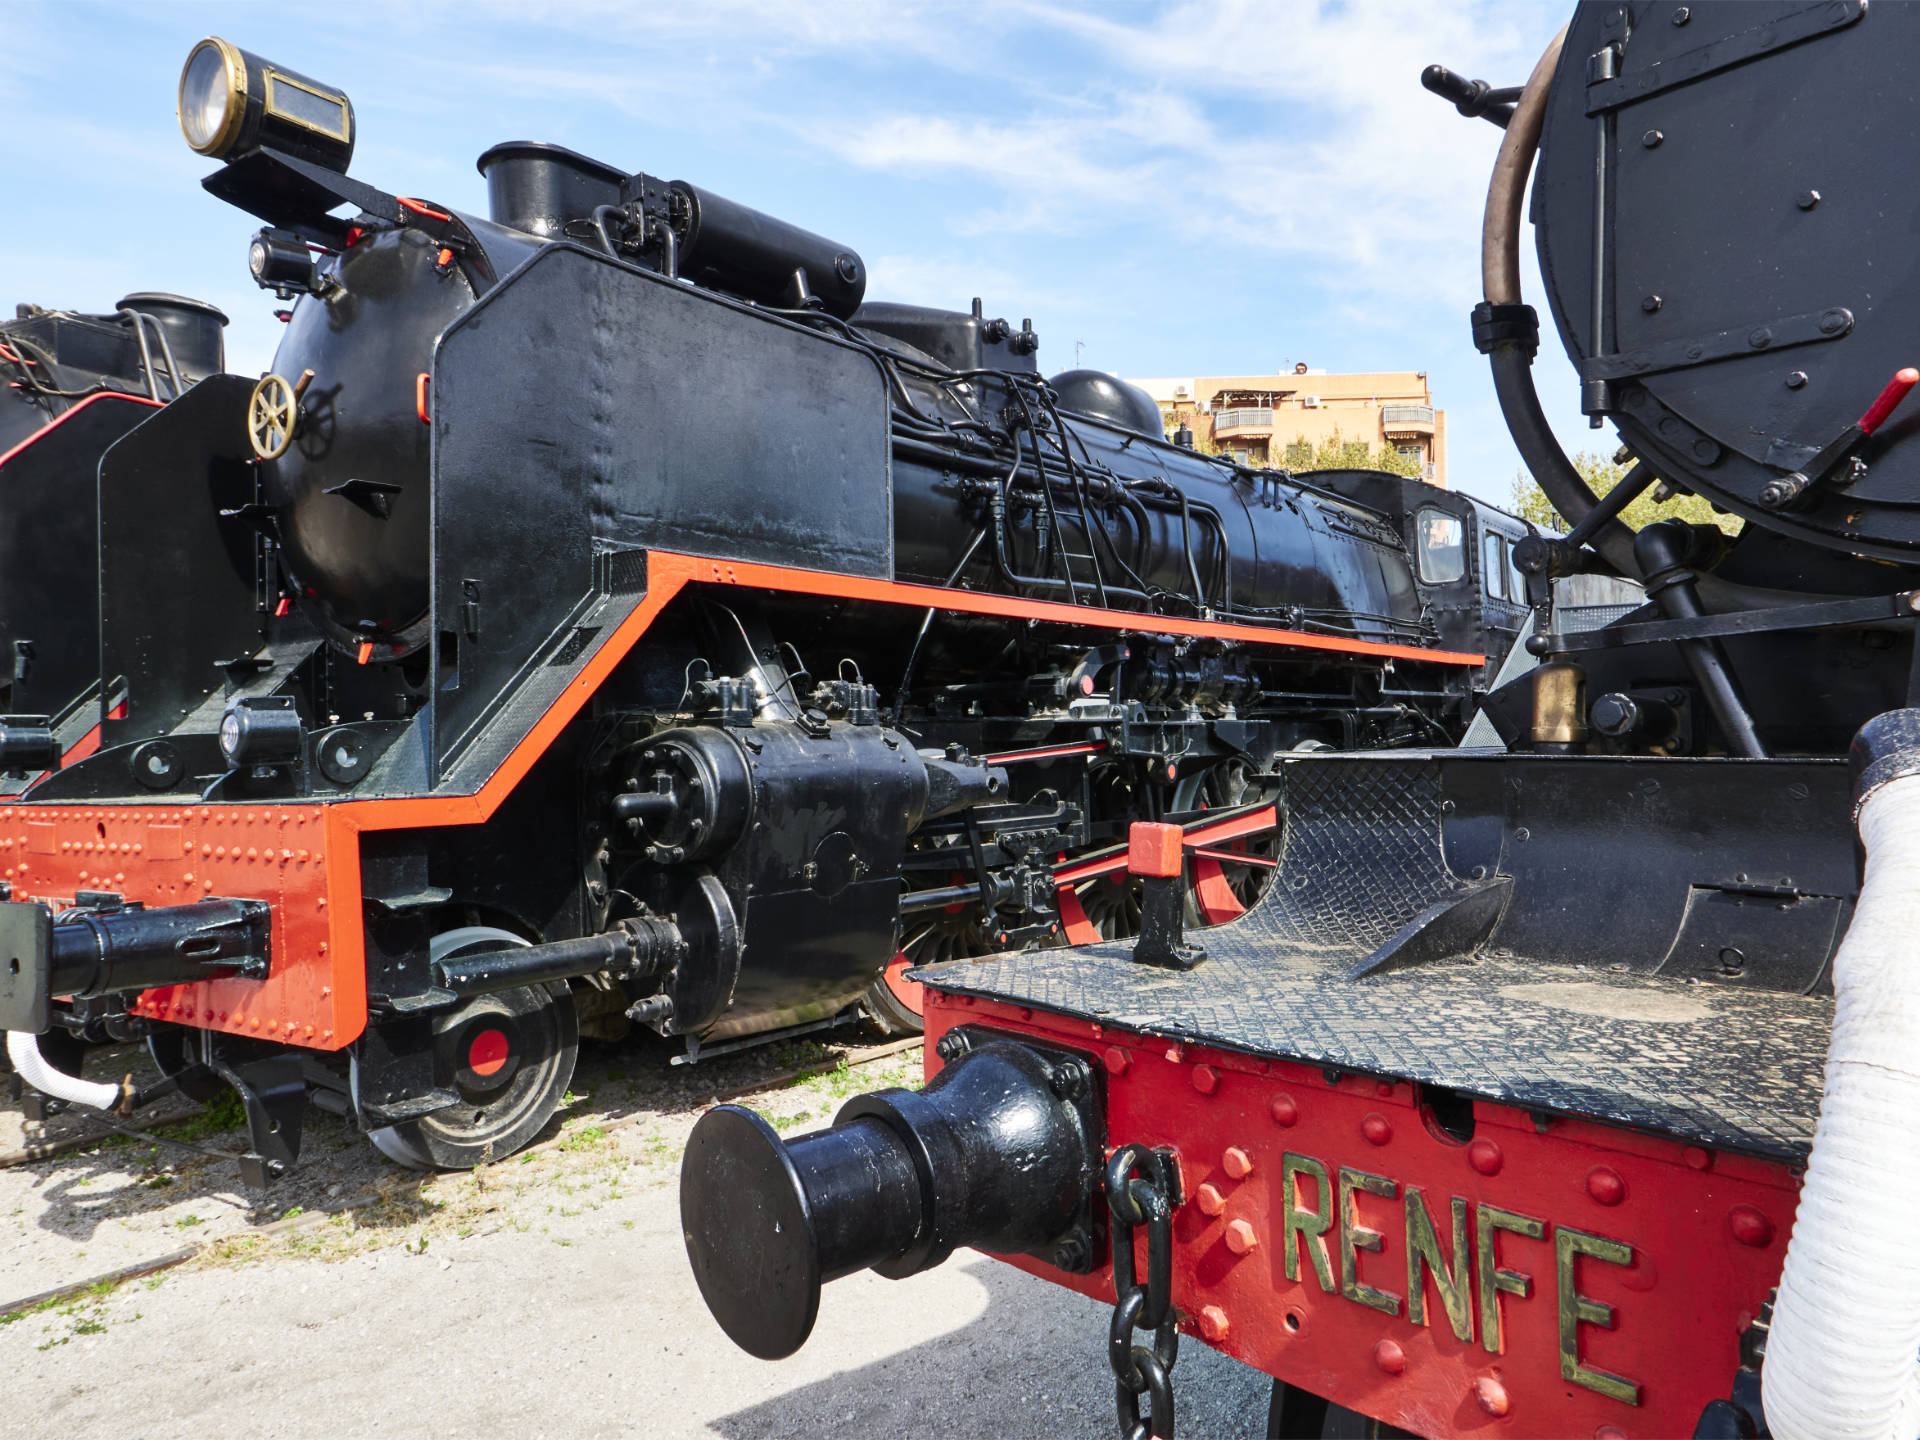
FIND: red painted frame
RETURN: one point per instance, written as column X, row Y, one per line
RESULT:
column 1707, row 1230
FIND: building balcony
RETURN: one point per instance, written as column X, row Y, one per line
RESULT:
column 1398, row 420
column 1227, row 423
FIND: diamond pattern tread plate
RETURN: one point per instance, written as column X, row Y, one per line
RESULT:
column 1721, row 1066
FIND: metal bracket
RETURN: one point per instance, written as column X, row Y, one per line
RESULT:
column 1832, row 323
column 274, row 1093
column 1818, row 615
column 1606, row 92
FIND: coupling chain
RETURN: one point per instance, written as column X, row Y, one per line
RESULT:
column 1142, row 1189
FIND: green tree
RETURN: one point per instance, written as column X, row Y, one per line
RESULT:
column 1602, row 473
column 1339, row 453
column 1301, row 454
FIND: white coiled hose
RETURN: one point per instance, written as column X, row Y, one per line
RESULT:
column 23, row 1050
column 1843, row 1355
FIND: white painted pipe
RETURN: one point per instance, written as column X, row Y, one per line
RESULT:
column 1843, row 1355
column 23, row 1050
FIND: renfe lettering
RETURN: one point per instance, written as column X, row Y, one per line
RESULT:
column 1451, row 1277
column 1462, row 1267
column 1309, row 1225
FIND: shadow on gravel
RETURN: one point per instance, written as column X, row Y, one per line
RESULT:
column 127, row 1177
column 963, row 1384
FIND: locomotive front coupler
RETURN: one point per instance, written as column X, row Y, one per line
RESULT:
column 1001, row 1151
column 107, row 947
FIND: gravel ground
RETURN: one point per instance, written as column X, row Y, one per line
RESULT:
column 547, row 1295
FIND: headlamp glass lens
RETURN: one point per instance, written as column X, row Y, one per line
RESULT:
column 204, row 96
column 230, row 735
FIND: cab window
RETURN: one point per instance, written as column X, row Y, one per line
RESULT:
column 1442, row 546
column 1493, row 566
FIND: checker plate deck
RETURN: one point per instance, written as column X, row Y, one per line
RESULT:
column 1716, row 1065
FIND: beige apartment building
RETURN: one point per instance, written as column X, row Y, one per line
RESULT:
column 1257, row 417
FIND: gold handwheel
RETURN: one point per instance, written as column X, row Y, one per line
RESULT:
column 272, row 413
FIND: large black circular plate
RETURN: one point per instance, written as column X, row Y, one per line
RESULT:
column 749, row 1234
column 1746, row 203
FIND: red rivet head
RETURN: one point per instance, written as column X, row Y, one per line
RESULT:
column 1206, row 1079
column 1609, row 1432
column 1485, row 1156
column 1284, row 1111
column 1209, row 1199
column 1606, row 1186
column 1491, row 1395
column 1241, row 1237
column 1213, row 1324
column 1390, row 1358
column 1376, row 1129
column 1237, row 1163
column 1696, row 1158
column 1383, row 1088
column 1117, row 1060
column 1749, row 1226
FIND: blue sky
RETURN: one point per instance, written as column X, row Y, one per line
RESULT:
column 1213, row 188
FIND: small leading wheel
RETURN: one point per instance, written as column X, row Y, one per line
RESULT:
column 168, row 1047
column 894, row 1001
column 951, row 934
column 509, row 1057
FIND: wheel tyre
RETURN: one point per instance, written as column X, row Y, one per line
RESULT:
column 894, row 1001
column 168, row 1049
column 509, row 1056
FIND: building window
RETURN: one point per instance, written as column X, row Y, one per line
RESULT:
column 1442, row 546
column 1410, row 452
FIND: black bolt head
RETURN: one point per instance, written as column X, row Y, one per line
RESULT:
column 1808, row 199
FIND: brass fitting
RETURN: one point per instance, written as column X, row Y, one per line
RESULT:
column 1559, row 704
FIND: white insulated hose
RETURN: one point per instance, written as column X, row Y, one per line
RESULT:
column 23, row 1050
column 1843, row 1354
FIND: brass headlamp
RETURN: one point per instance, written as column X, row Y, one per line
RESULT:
column 232, row 102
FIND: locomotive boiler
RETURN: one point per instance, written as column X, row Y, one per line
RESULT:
column 76, row 383
column 604, row 615
column 1557, row 1088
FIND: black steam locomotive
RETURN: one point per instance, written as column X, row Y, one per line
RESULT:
column 76, row 383
column 603, row 615
column 1565, row 1090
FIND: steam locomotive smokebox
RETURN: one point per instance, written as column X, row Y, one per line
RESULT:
column 585, row 408
column 1747, row 311
column 538, row 188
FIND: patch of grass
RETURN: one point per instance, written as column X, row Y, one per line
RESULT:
column 222, row 1113
column 585, row 1137
column 187, row 1222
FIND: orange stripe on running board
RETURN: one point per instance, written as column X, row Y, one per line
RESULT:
column 669, row 573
